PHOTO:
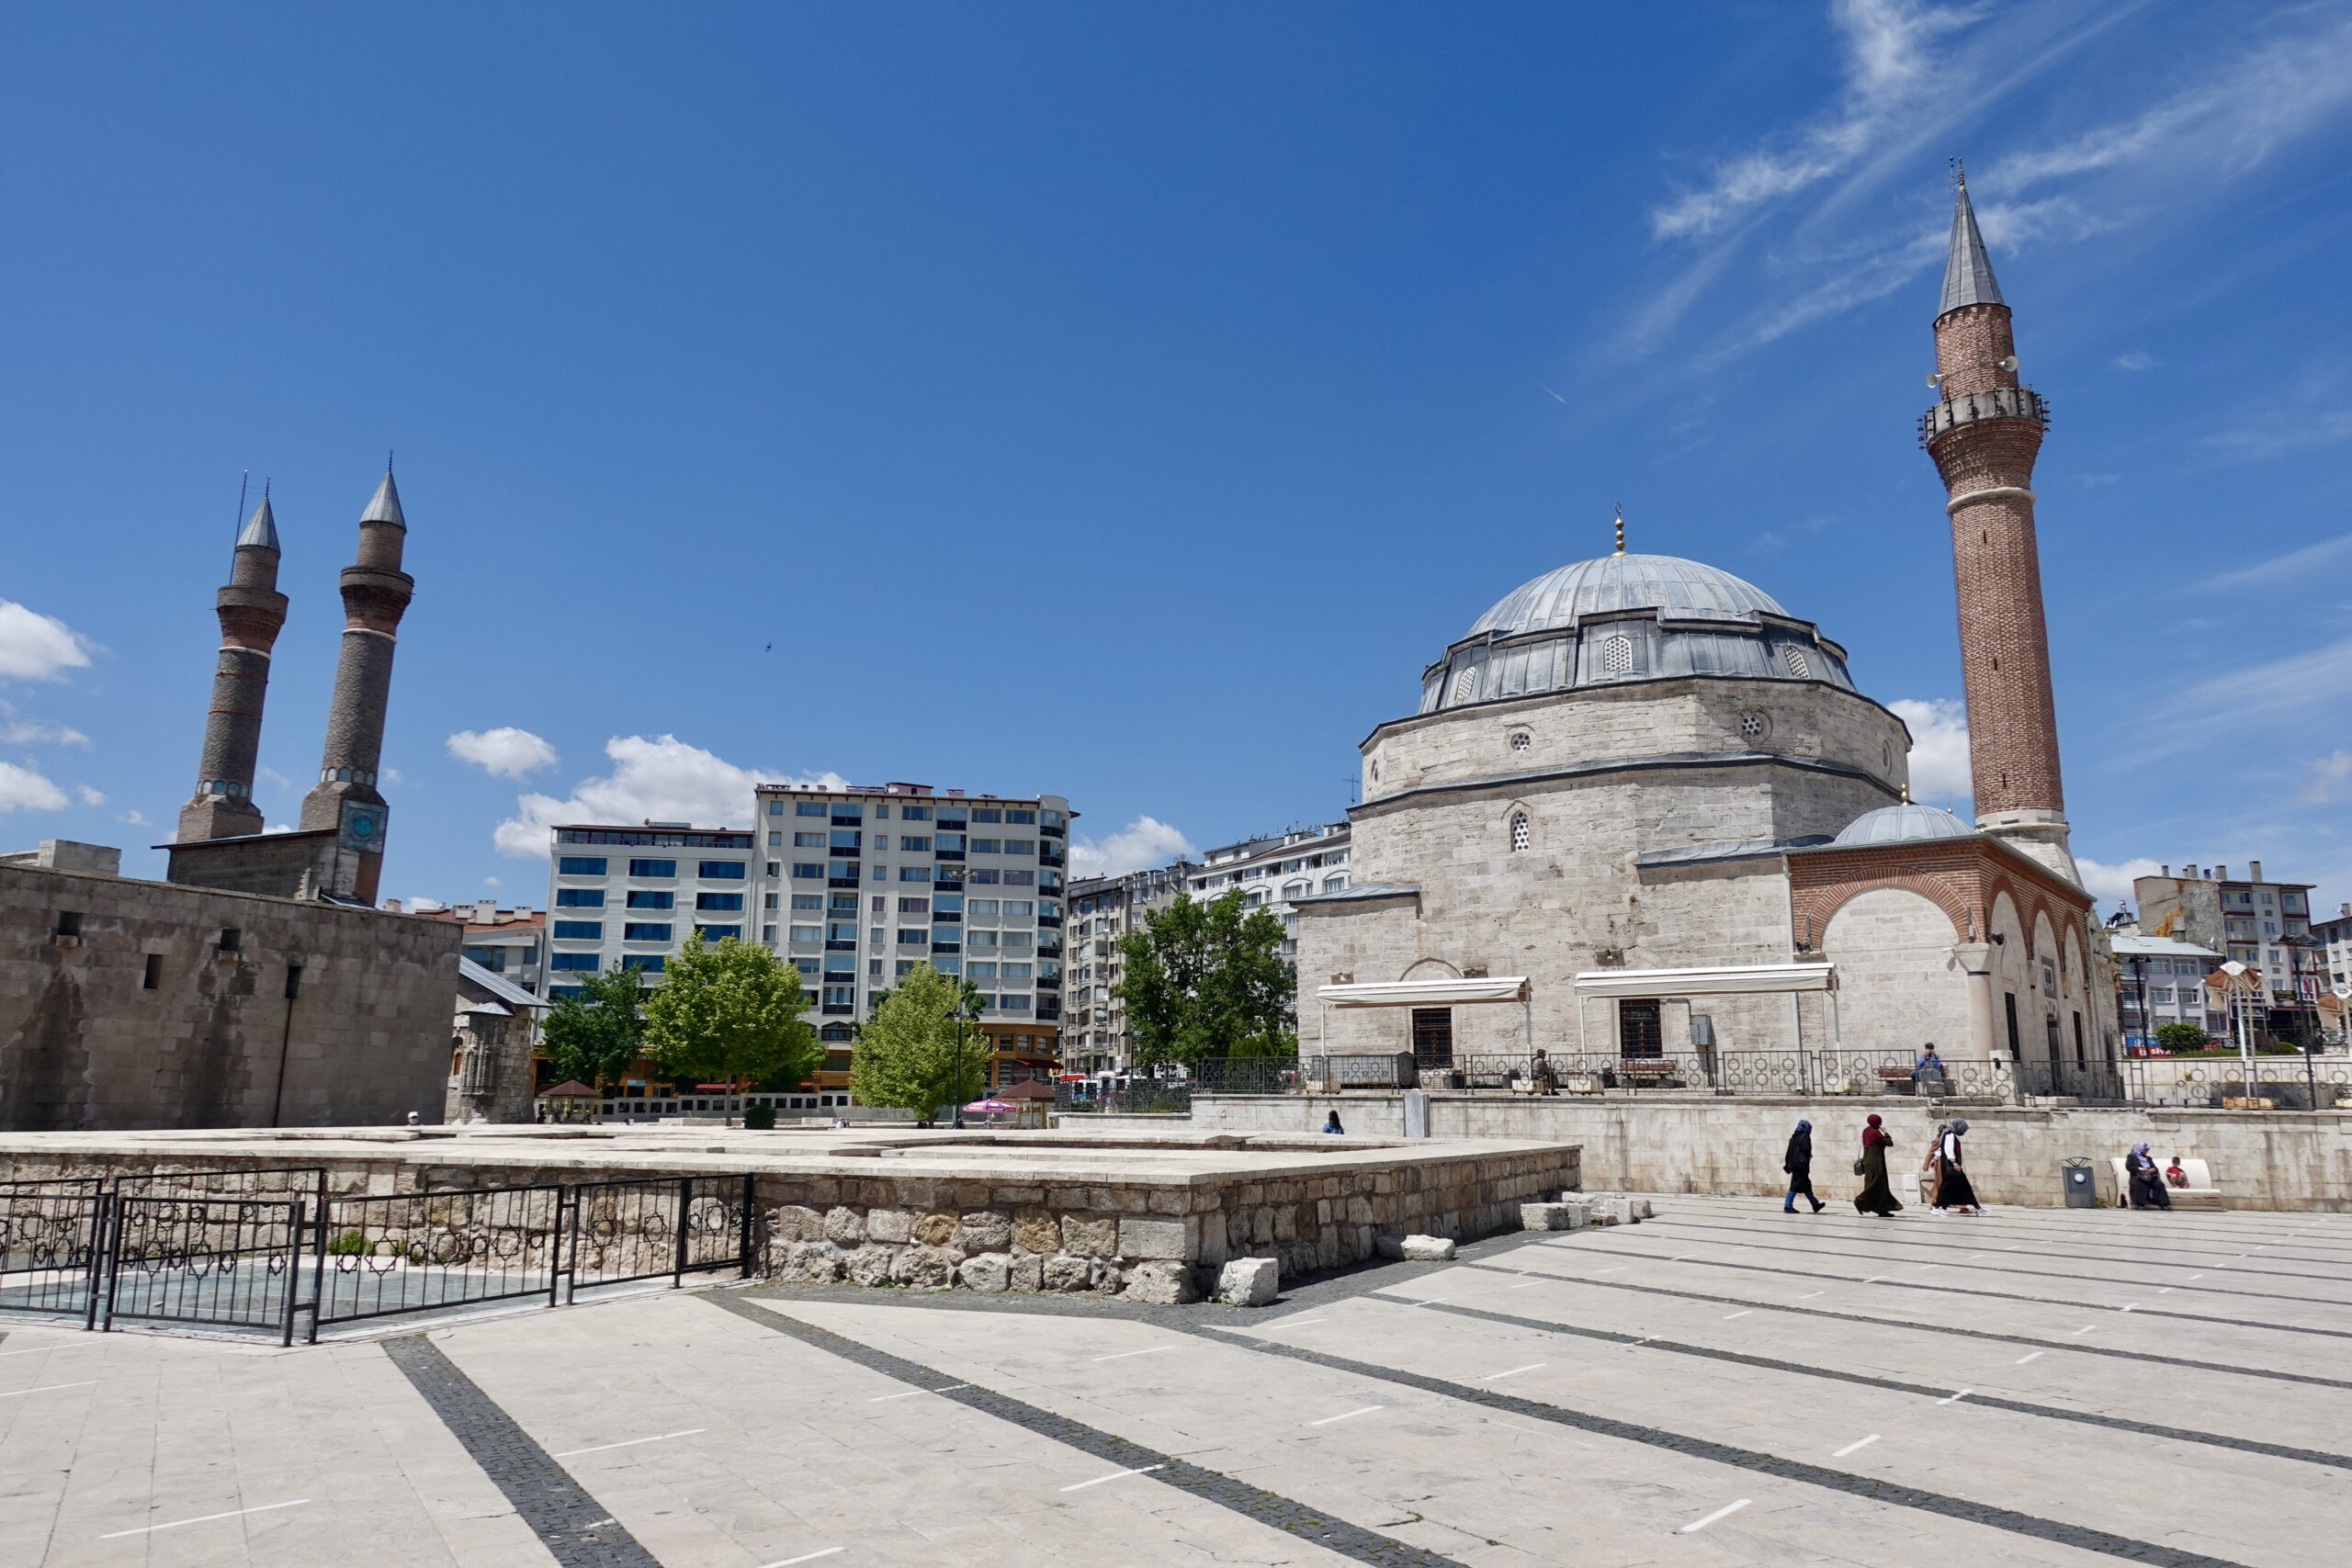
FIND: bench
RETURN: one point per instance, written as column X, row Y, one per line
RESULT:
column 1652, row 1071
column 2200, row 1193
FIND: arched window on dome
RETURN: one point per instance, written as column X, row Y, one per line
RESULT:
column 1793, row 657
column 1522, row 834
column 1617, row 656
column 1466, row 683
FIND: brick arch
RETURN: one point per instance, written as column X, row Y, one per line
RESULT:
column 1816, row 907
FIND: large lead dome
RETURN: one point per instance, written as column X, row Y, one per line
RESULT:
column 1623, row 618
column 1685, row 588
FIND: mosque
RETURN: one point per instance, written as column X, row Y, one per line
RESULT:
column 1643, row 813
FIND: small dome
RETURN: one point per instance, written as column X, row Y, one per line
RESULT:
column 1902, row 825
column 1666, row 583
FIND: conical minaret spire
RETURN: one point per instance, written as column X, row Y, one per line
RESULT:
column 251, row 610
column 375, row 592
column 1983, row 436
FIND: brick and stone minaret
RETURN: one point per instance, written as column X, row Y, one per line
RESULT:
column 1983, row 436
column 375, row 592
column 251, row 610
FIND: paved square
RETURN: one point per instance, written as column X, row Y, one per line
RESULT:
column 1723, row 1384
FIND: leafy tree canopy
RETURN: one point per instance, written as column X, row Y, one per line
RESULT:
column 594, row 1036
column 921, row 1047
column 1208, row 979
column 729, row 1012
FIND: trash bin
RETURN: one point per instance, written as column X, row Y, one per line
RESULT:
column 2082, row 1190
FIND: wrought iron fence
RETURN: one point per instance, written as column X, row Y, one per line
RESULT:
column 233, row 1263
column 1130, row 1097
column 51, row 1245
column 1245, row 1075
column 415, row 1251
column 1899, row 1072
column 621, row 1231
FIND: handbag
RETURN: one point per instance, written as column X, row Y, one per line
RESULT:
column 1857, row 1168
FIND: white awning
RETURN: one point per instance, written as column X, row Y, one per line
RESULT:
column 1718, row 980
column 1423, row 993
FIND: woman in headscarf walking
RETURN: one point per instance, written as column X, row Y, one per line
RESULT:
column 1931, row 1172
column 1798, row 1163
column 1877, row 1196
column 1952, row 1187
column 2147, row 1181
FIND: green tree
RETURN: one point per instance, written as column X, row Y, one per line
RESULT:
column 921, row 1047
column 2181, row 1036
column 729, row 1012
column 594, row 1036
column 1208, row 979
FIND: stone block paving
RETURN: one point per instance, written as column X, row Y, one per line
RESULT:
column 1721, row 1384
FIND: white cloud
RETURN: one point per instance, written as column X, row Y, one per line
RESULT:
column 40, row 732
column 135, row 817
column 425, row 906
column 280, row 780
column 1147, row 841
column 2103, row 880
column 660, row 780
column 2328, row 775
column 393, row 776
column 2279, row 569
column 89, row 797
column 2136, row 360
column 34, row 647
column 278, row 828
column 492, row 881
column 1939, row 746
column 2255, row 697
column 505, row 752
column 21, row 789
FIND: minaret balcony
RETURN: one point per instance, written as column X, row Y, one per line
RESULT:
column 1994, row 402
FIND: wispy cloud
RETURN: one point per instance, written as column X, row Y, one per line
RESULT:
column 2278, row 435
column 2328, row 777
column 1147, row 841
column 2103, row 880
column 2136, row 361
column 34, row 647
column 1939, row 728
column 2256, row 697
column 89, row 797
column 40, row 732
column 2283, row 569
column 23, row 789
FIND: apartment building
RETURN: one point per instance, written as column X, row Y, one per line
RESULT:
column 622, row 895
column 510, row 943
column 2161, row 980
column 1096, row 1037
column 2262, row 924
column 1275, row 869
column 859, row 885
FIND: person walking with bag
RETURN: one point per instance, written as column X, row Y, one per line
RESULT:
column 1876, row 1197
column 1798, row 1163
column 1952, row 1187
column 1931, row 1174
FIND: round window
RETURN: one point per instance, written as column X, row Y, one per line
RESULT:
column 1754, row 725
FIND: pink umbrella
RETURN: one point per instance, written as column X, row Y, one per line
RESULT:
column 991, row 1105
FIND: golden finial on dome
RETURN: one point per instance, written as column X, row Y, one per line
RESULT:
column 1621, row 530
column 1906, row 793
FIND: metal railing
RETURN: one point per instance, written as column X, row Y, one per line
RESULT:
column 263, row 1250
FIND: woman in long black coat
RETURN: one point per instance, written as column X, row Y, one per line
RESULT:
column 1876, row 1197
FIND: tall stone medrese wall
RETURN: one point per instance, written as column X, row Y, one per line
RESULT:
column 86, row 1042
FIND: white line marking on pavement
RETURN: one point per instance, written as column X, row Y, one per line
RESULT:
column 36, row 1350
column 46, row 1388
column 1724, row 1512
column 2165, row 1291
column 880, row 1398
column 1114, row 1476
column 1639, row 1343
column 804, row 1557
column 2129, row 1307
column 1347, row 1414
column 2194, row 1277
column 206, row 1518
column 1619, row 1269
column 1809, row 1295
column 1122, row 1355
column 1927, row 1266
column 2086, row 1328
column 1972, row 1257
column 1874, row 1279
column 1741, row 1313
column 1530, row 1365
column 1431, row 1301
column 1530, row 1282
column 1956, row 1398
column 1849, row 1447
column 633, row 1442
column 1296, row 1322
column 600, row 1524
column 2028, row 1357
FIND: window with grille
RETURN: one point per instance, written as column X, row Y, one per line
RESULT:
column 1751, row 724
column 1466, row 683
column 1519, row 741
column 1521, row 835
column 1794, row 658
column 1617, row 656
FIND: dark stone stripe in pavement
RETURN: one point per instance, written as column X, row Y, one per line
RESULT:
column 1748, row 1238
column 1251, row 1502
column 2082, row 1537
column 1989, row 1295
column 2075, row 1346
column 558, row 1510
column 1990, row 1402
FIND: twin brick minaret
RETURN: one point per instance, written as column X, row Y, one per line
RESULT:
column 1983, row 436
column 344, row 801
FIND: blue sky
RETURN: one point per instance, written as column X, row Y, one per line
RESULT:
column 1124, row 403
